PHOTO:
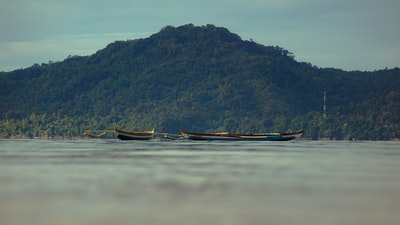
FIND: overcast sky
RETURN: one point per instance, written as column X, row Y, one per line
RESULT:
column 345, row 34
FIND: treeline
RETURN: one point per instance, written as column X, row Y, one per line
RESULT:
column 317, row 126
column 202, row 79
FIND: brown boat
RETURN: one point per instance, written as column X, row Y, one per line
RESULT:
column 243, row 137
column 134, row 135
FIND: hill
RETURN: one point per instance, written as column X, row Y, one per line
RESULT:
column 201, row 78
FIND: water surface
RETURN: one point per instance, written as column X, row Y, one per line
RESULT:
column 45, row 182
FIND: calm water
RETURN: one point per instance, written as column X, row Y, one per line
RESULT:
column 100, row 182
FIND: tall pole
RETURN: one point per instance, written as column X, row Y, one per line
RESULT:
column 324, row 104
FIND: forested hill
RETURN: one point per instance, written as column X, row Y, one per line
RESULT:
column 200, row 78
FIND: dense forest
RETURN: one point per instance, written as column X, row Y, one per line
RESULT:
column 200, row 78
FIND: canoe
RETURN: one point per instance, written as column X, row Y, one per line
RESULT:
column 134, row 135
column 97, row 133
column 242, row 137
column 173, row 137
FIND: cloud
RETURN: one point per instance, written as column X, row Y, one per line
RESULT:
column 341, row 33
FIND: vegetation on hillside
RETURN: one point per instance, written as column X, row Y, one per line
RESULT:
column 202, row 79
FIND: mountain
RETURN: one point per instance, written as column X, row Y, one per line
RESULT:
column 200, row 78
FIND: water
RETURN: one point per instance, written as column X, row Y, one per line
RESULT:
column 96, row 182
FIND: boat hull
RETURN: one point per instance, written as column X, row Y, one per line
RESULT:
column 242, row 137
column 129, row 136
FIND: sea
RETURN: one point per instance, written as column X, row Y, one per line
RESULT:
column 113, row 182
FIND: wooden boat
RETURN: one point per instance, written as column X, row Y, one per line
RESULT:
column 92, row 133
column 243, row 137
column 172, row 137
column 135, row 135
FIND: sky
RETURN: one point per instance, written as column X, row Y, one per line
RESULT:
column 344, row 34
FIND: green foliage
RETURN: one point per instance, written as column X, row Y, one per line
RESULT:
column 201, row 79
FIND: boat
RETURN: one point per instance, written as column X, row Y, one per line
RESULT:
column 174, row 137
column 92, row 133
column 134, row 135
column 242, row 137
